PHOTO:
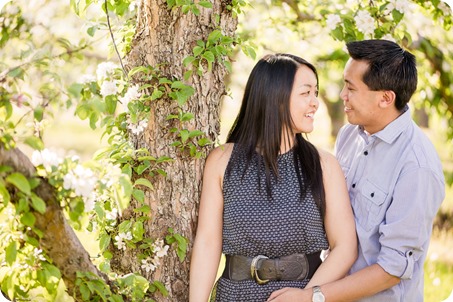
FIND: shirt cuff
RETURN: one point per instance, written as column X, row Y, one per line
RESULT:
column 397, row 263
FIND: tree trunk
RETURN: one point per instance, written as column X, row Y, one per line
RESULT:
column 163, row 39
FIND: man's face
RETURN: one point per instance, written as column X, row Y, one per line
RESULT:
column 361, row 105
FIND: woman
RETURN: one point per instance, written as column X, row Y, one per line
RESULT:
column 271, row 202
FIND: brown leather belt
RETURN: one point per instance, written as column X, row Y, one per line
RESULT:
column 262, row 269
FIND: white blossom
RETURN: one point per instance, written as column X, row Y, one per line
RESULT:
column 105, row 70
column 87, row 78
column 160, row 249
column 147, row 265
column 400, row 5
column 138, row 128
column 131, row 94
column 108, row 88
column 445, row 8
column 113, row 174
column 119, row 240
column 332, row 21
column 111, row 215
column 81, row 180
column 45, row 158
column 364, row 22
column 38, row 254
column 89, row 201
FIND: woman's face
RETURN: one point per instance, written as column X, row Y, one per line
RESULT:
column 304, row 100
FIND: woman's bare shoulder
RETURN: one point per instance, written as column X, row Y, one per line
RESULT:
column 328, row 160
column 220, row 155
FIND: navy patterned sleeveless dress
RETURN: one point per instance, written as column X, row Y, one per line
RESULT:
column 255, row 225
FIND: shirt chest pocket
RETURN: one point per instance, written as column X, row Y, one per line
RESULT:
column 371, row 205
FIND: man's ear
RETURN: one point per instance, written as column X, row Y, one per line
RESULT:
column 388, row 99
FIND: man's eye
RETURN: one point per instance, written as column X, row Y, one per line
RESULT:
column 316, row 93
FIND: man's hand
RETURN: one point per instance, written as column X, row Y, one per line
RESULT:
column 289, row 294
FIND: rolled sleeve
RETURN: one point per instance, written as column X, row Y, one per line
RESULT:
column 408, row 221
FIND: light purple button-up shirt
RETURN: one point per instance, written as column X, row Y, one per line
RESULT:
column 396, row 186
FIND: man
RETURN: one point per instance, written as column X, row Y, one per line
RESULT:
column 394, row 178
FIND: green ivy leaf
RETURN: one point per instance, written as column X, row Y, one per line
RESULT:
column 138, row 231
column 139, row 195
column 206, row 4
column 104, row 241
column 161, row 287
column 187, row 61
column 4, row 194
column 144, row 182
column 20, row 182
column 197, row 50
column 11, row 253
column 38, row 204
column 28, row 219
column 34, row 142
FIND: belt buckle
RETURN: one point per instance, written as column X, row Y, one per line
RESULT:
column 254, row 270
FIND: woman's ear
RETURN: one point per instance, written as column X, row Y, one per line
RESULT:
column 388, row 99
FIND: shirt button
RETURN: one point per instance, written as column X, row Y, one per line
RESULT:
column 353, row 185
column 366, row 153
column 372, row 194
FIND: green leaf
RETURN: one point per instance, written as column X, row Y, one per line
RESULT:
column 104, row 241
column 228, row 66
column 125, row 226
column 187, row 117
column 127, row 170
column 206, row 4
column 4, row 194
column 160, row 286
column 28, row 219
column 38, row 204
column 76, row 90
column 34, row 142
column 187, row 61
column 38, row 113
column 92, row 30
column 17, row 72
column 143, row 209
column 138, row 231
column 197, row 50
column 157, row 94
column 139, row 195
column 194, row 133
column 209, row 56
column 204, row 141
column 397, row 16
column 214, row 36
column 20, row 182
column 184, row 133
column 144, row 182
column 11, row 253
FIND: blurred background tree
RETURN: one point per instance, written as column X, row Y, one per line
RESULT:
column 148, row 77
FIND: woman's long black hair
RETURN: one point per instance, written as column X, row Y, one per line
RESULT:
column 265, row 113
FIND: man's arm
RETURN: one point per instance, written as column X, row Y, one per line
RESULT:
column 363, row 283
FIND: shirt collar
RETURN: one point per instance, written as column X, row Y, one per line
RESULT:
column 394, row 129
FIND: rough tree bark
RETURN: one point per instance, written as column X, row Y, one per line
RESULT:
column 163, row 39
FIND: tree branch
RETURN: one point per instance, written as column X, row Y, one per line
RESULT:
column 59, row 241
column 301, row 17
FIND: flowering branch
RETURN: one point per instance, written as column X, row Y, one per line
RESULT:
column 57, row 236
